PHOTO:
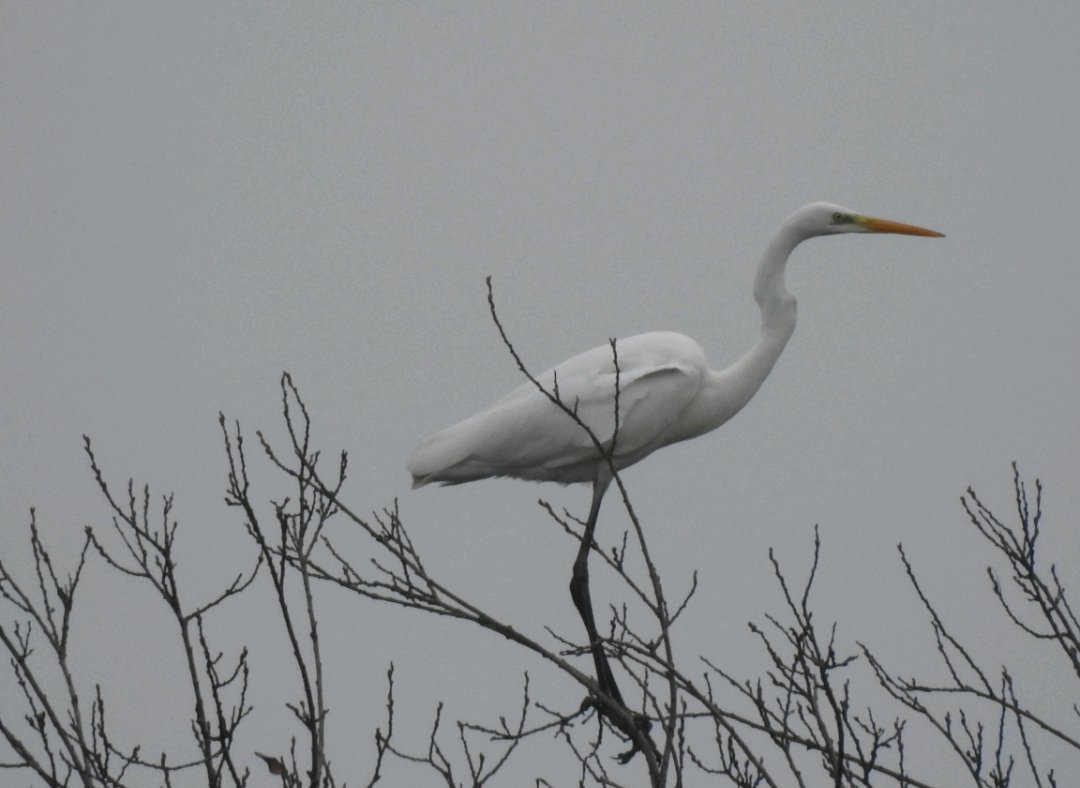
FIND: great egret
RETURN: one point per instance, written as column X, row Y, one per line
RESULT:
column 666, row 392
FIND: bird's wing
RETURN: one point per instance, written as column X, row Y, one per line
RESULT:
column 528, row 436
column 649, row 402
column 529, row 431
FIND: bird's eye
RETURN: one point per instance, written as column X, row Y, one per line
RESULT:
column 838, row 218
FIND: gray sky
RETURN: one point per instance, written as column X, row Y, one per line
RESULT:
column 196, row 197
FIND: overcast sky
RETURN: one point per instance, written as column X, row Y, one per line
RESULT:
column 197, row 196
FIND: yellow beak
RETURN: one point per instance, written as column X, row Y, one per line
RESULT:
column 875, row 225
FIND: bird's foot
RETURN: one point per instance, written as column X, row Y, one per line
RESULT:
column 642, row 726
column 634, row 726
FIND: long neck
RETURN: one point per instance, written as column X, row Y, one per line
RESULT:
column 733, row 387
column 777, row 305
column 778, row 312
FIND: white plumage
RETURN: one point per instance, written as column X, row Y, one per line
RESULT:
column 667, row 392
column 527, row 436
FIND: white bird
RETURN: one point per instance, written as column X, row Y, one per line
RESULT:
column 666, row 393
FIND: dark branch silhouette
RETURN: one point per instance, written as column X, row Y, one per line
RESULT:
column 807, row 718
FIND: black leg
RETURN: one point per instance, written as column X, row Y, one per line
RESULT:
column 579, row 591
column 632, row 725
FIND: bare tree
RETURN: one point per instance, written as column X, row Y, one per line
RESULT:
column 681, row 720
column 977, row 709
column 63, row 741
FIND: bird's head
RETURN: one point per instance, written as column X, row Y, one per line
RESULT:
column 824, row 218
